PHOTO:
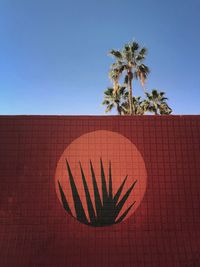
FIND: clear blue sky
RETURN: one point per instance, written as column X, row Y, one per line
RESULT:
column 53, row 53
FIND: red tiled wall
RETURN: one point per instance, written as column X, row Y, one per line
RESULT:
column 36, row 231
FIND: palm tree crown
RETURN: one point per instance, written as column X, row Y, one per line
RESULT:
column 129, row 61
column 156, row 103
column 112, row 99
column 137, row 103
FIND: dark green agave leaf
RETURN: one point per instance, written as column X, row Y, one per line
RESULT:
column 64, row 200
column 97, row 198
column 110, row 182
column 123, row 216
column 103, row 184
column 124, row 199
column 80, row 213
column 88, row 198
column 118, row 194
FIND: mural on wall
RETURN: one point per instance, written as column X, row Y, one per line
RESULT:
column 101, row 178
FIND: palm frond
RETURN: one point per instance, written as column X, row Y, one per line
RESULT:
column 156, row 103
column 134, row 46
column 142, row 54
column 117, row 54
column 109, row 108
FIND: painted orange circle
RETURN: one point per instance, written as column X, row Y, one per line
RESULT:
column 125, row 160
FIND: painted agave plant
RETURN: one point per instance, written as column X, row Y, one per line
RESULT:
column 103, row 212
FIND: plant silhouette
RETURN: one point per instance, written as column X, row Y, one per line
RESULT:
column 106, row 210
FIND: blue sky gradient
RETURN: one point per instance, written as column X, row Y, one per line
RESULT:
column 54, row 53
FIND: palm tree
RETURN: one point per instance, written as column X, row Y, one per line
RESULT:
column 112, row 99
column 137, row 104
column 156, row 103
column 129, row 61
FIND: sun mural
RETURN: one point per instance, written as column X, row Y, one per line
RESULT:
column 101, row 178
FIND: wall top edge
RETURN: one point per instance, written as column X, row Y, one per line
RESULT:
column 101, row 116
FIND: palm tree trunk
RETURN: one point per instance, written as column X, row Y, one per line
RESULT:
column 118, row 109
column 130, row 78
column 156, row 109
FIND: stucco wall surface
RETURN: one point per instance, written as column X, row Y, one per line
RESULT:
column 36, row 231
